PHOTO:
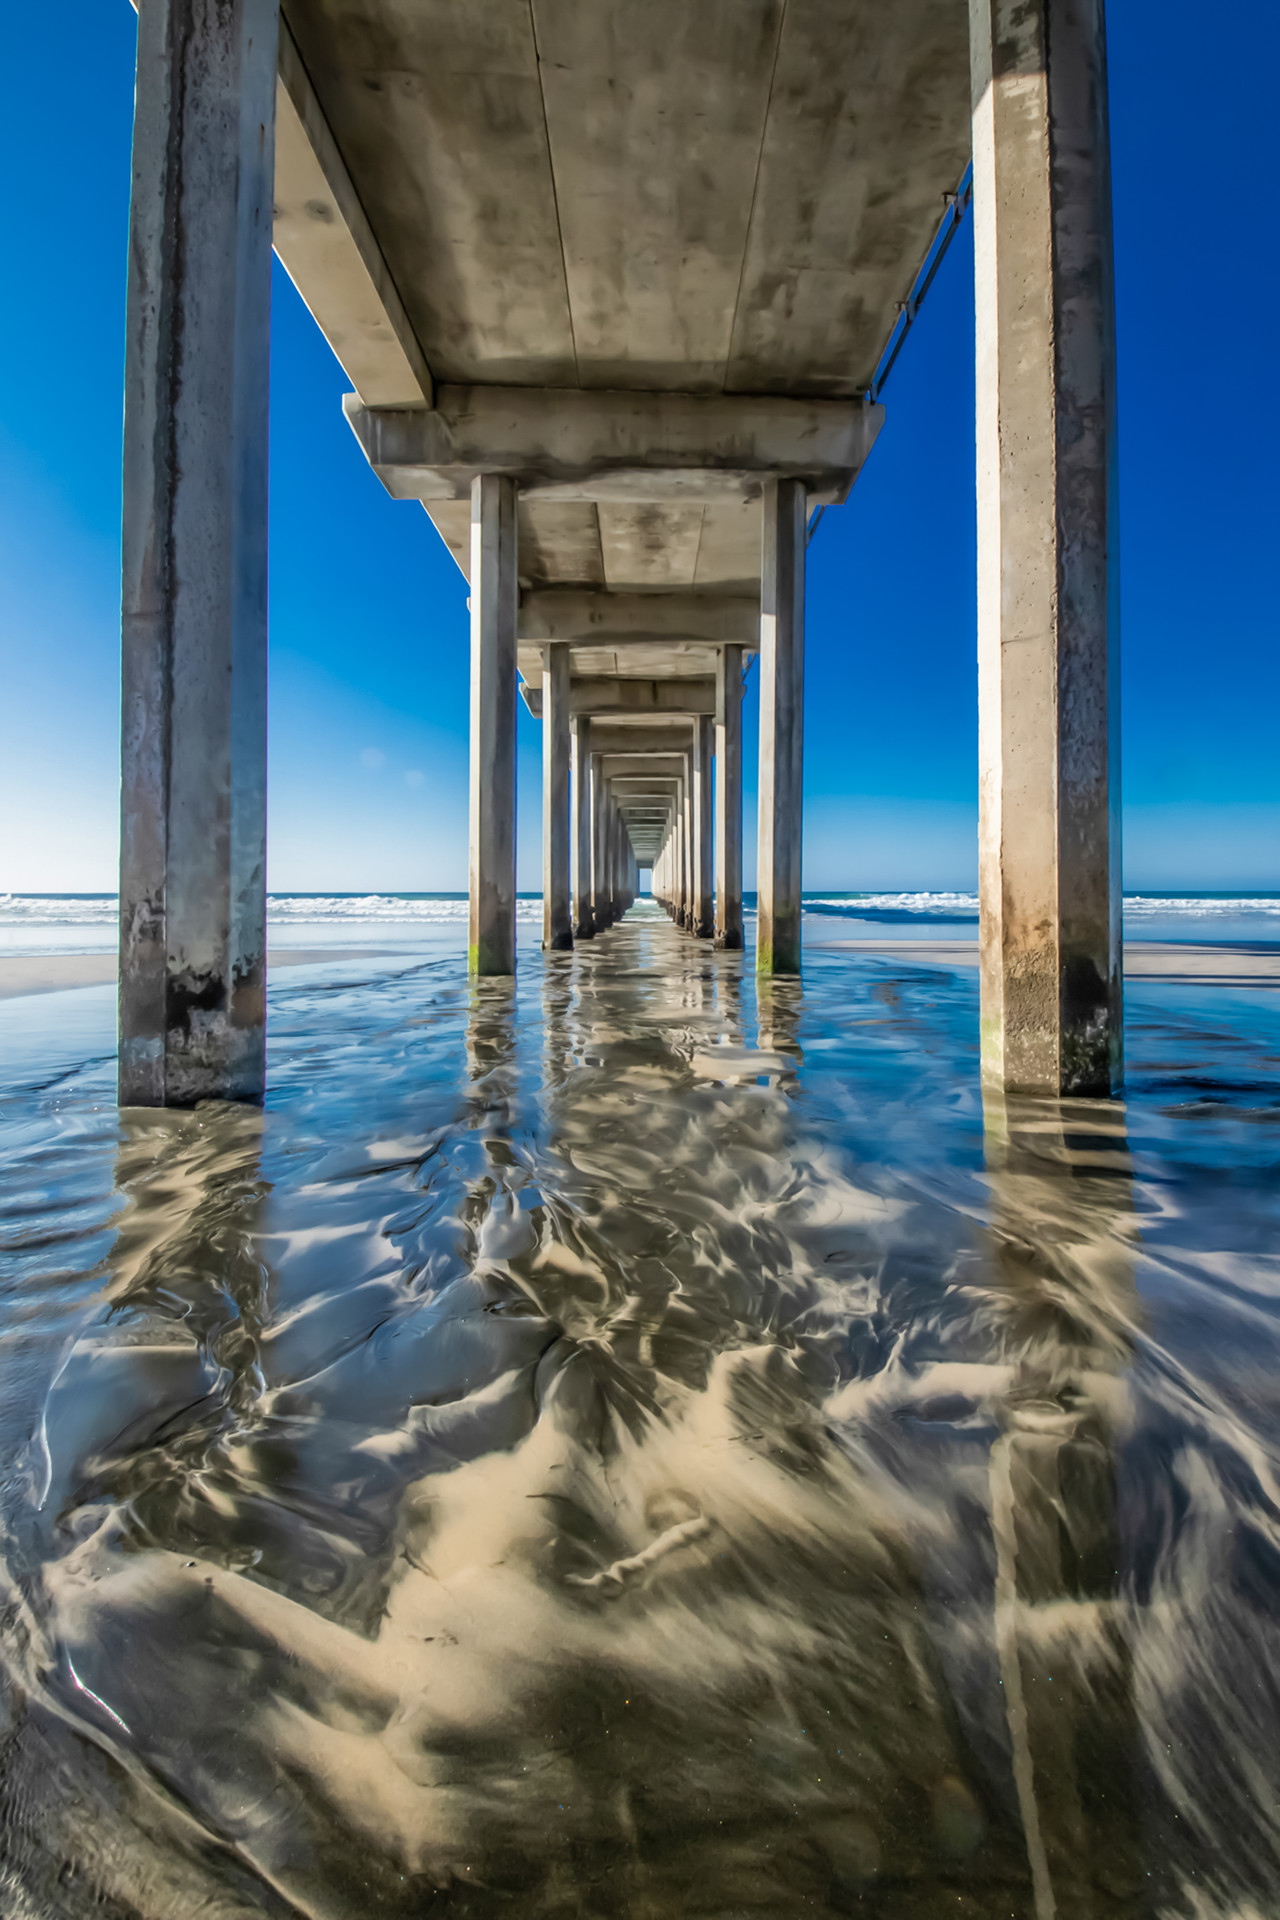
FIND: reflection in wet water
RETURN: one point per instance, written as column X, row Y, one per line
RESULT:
column 623, row 1445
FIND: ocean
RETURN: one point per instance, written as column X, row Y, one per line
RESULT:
column 86, row 922
column 638, row 1441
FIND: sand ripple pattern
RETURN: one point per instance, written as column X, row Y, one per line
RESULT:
column 633, row 1445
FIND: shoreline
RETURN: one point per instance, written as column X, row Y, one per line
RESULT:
column 1201, row 963
column 1230, row 963
column 64, row 972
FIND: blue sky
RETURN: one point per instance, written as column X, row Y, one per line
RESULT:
column 369, row 638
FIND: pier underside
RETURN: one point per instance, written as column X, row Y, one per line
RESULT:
column 612, row 286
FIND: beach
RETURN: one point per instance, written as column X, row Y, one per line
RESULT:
column 61, row 972
column 578, row 1420
column 1202, row 962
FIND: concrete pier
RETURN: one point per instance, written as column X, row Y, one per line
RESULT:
column 194, row 594
column 1048, row 628
column 494, row 596
column 728, row 799
column 661, row 450
column 557, row 904
column 778, row 855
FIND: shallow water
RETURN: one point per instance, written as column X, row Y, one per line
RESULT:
column 630, row 1444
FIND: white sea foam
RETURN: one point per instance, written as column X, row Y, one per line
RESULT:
column 31, row 910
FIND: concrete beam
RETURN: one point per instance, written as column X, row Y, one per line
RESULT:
column 194, row 557
column 605, row 696
column 327, row 248
column 642, row 737
column 642, row 767
column 1048, row 623
column 570, row 445
column 583, row 613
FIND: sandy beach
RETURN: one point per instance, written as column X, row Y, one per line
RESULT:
column 1186, row 963
column 57, row 972
column 1181, row 963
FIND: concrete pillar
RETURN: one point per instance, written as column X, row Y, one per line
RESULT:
column 1048, row 630
column 704, row 915
column 599, row 884
column 728, row 825
column 686, row 845
column 778, row 858
column 620, row 900
column 580, row 740
column 494, row 599
column 557, row 906
column 194, row 556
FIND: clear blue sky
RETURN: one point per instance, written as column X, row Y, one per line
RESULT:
column 369, row 640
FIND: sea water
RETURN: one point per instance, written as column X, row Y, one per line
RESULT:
column 87, row 922
column 640, row 1442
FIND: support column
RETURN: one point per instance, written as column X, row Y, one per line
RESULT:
column 599, row 885
column 1048, row 627
column 704, row 922
column 778, row 879
column 686, row 849
column 494, row 599
column 194, row 556
column 557, row 907
column 616, row 875
column 728, row 829
column 580, row 736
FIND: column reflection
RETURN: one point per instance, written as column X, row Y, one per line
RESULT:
column 1063, row 1304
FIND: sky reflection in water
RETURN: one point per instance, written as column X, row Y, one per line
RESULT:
column 635, row 1445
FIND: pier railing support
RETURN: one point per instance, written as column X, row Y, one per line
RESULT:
column 194, row 556
column 494, row 599
column 728, row 827
column 778, row 880
column 1048, row 630
column 557, row 906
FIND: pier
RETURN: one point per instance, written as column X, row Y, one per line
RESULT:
column 616, row 290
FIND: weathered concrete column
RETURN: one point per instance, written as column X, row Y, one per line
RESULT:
column 557, row 906
column 778, row 870
column 704, row 914
column 580, row 738
column 1048, row 628
column 600, row 915
column 194, row 556
column 686, row 846
column 620, row 901
column 494, row 600
column 728, row 828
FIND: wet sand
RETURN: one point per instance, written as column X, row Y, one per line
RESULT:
column 633, row 1439
column 55, row 972
column 1184, row 963
column 1181, row 963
